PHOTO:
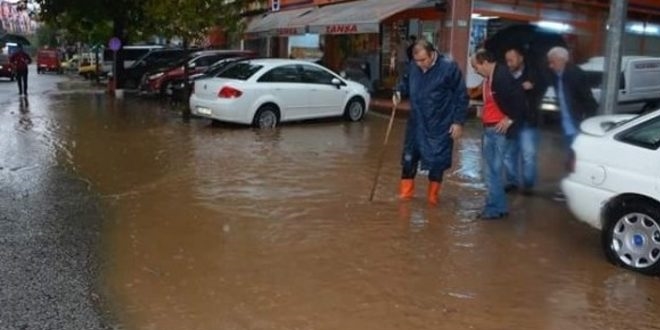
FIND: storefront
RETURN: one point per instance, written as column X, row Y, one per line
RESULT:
column 364, row 38
column 268, row 35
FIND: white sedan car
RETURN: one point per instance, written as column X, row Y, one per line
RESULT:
column 265, row 92
column 615, row 186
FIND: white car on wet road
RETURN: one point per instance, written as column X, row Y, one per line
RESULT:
column 265, row 92
column 615, row 186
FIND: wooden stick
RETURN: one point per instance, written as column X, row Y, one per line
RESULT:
column 382, row 154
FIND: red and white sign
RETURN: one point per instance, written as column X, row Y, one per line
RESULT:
column 341, row 29
column 344, row 28
column 289, row 31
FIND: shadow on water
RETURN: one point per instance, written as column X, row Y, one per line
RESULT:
column 226, row 227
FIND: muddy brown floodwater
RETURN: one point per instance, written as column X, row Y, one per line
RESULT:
column 222, row 227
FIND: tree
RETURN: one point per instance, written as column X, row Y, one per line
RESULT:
column 73, row 13
column 88, row 20
column 192, row 19
column 46, row 36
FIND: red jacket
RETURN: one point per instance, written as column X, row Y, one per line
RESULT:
column 20, row 60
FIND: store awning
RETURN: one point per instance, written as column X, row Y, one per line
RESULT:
column 362, row 16
column 277, row 23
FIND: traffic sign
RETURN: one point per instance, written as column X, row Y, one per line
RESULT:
column 114, row 44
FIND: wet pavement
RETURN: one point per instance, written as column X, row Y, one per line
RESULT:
column 50, row 221
column 201, row 226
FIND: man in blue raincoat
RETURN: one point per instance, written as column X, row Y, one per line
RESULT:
column 439, row 102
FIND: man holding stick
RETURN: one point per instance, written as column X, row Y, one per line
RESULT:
column 439, row 102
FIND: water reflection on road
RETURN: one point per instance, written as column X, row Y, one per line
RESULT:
column 222, row 227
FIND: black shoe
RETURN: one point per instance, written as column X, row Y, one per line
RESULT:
column 528, row 192
column 497, row 216
column 559, row 197
column 510, row 188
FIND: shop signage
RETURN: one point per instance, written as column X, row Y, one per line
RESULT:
column 327, row 2
column 287, row 31
column 341, row 29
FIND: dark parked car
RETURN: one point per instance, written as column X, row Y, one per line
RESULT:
column 160, row 80
column 153, row 60
column 6, row 69
column 181, row 90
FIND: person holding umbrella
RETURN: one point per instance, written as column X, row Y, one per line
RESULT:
column 524, row 149
column 20, row 60
column 438, row 108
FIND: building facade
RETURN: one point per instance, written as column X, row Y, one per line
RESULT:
column 13, row 20
column 343, row 32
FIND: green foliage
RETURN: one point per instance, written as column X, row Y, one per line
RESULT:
column 93, row 20
column 97, row 20
column 45, row 36
column 191, row 19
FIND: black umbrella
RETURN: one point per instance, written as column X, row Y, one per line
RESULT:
column 14, row 38
column 533, row 41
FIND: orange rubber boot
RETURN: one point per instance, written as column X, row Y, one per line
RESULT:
column 433, row 192
column 407, row 188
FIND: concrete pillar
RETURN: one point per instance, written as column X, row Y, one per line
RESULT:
column 613, row 52
column 456, row 31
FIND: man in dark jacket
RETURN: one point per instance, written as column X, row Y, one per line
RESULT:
column 20, row 60
column 574, row 97
column 523, row 151
column 576, row 102
column 504, row 108
column 439, row 102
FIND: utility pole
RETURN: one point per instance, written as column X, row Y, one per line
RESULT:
column 612, row 71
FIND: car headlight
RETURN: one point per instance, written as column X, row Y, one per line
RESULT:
column 156, row 76
column 0, row 66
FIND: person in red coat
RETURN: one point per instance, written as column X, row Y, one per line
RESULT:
column 20, row 60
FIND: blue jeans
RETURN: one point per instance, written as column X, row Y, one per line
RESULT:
column 523, row 150
column 568, row 144
column 493, row 149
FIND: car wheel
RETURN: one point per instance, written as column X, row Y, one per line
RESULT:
column 267, row 117
column 166, row 89
column 354, row 109
column 130, row 84
column 631, row 237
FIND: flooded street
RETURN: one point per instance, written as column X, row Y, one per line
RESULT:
column 222, row 227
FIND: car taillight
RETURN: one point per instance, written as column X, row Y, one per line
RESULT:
column 570, row 164
column 227, row 92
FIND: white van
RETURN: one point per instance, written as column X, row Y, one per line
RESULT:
column 639, row 89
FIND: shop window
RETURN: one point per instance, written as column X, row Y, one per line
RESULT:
column 282, row 74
